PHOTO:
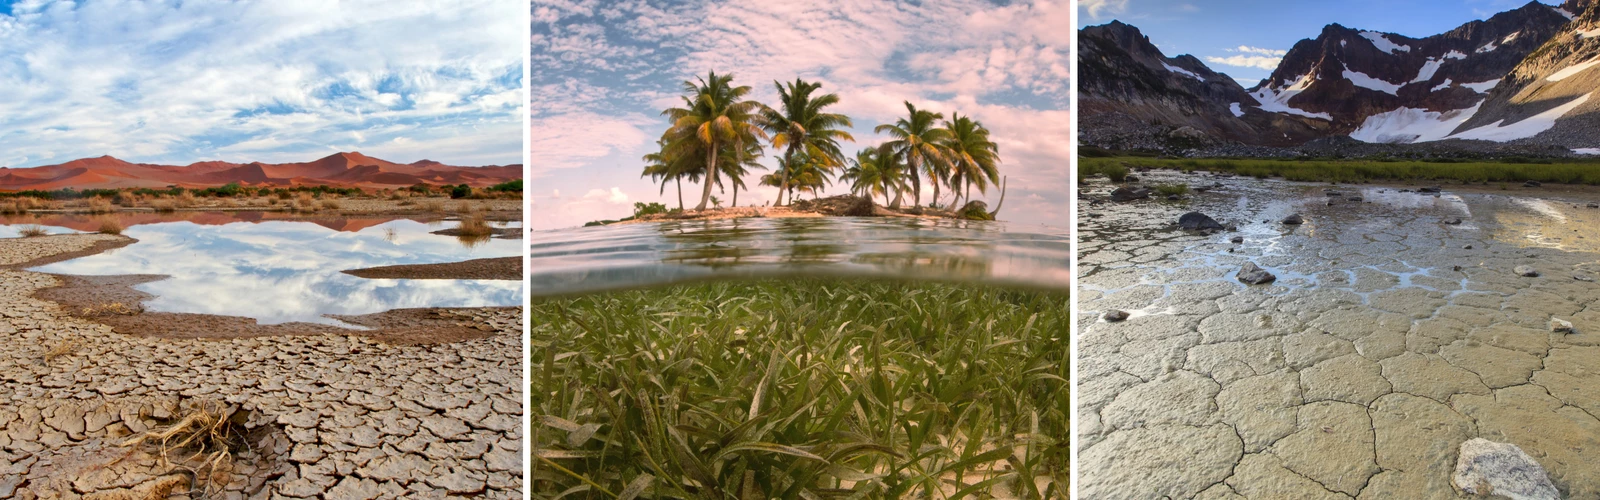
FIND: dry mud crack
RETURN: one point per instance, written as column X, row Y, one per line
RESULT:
column 305, row 416
column 1389, row 338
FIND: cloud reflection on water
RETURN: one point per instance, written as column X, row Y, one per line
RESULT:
column 281, row 271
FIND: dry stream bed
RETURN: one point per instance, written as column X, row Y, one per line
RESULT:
column 1390, row 337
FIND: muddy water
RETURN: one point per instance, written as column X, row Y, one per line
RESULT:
column 1384, row 344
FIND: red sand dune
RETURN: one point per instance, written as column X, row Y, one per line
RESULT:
column 342, row 169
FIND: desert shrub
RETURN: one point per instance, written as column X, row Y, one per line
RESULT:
column 460, row 191
column 109, row 225
column 31, row 230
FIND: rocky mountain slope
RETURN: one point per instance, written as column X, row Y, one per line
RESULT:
column 341, row 169
column 1504, row 80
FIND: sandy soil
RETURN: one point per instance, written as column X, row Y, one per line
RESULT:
column 498, row 268
column 420, row 414
column 1392, row 336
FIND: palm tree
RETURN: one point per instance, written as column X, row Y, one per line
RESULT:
column 973, row 157
column 919, row 142
column 803, row 127
column 736, row 170
column 873, row 173
column 660, row 166
column 801, row 173
column 715, row 115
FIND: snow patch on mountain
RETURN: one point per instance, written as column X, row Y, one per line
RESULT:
column 1408, row 125
column 1510, row 38
column 1428, row 70
column 1487, row 48
column 1182, row 71
column 1277, row 101
column 1589, row 34
column 1529, row 127
column 1382, row 42
column 1442, row 86
column 1570, row 16
column 1237, row 111
column 1367, row 82
column 1482, row 87
column 1570, row 71
column 1455, row 54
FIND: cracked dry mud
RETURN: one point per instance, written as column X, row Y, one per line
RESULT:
column 324, row 416
column 1362, row 369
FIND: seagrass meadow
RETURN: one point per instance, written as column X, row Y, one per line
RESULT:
column 801, row 388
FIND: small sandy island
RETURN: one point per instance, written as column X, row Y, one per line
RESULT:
column 834, row 206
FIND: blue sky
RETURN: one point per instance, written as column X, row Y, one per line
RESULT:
column 1245, row 38
column 285, row 80
column 603, row 71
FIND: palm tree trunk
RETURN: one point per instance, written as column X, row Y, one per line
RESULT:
column 933, row 178
column 680, row 192
column 916, row 182
column 736, row 193
column 711, row 175
column 783, row 173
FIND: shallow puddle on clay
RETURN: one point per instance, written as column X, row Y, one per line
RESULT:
column 283, row 271
column 635, row 255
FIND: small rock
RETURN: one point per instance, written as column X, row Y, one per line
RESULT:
column 1593, row 205
column 1581, row 277
column 1453, row 222
column 1115, row 315
column 1532, row 184
column 1236, row 239
column 1486, row 467
column 1526, row 271
column 1255, row 275
column 1355, row 198
column 1429, row 189
column 1559, row 325
column 1295, row 219
column 1466, row 247
column 1172, row 197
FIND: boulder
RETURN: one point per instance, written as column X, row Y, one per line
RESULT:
column 1294, row 220
column 1130, row 194
column 1236, row 239
column 1532, row 184
column 1429, row 189
column 1502, row 469
column 1559, row 325
column 1453, row 222
column 1254, row 275
column 1196, row 221
column 1526, row 271
column 1115, row 315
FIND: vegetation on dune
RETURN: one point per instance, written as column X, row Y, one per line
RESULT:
column 31, row 230
column 719, row 135
column 801, row 388
column 1575, row 171
column 109, row 225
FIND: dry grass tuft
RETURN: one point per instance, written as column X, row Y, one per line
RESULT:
column 127, row 199
column 164, row 205
column 110, row 226
column 65, row 347
column 100, row 205
column 32, row 230
column 473, row 224
column 432, row 206
column 330, row 204
column 113, row 308
column 186, row 200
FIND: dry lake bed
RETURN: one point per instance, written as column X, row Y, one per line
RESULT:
column 329, row 408
column 1400, row 326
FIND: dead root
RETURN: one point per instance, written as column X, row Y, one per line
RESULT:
column 202, row 441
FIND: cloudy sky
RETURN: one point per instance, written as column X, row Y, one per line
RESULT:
column 282, row 80
column 1208, row 29
column 604, row 71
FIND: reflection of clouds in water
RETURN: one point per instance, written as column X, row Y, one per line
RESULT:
column 290, row 271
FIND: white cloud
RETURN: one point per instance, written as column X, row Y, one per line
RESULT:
column 1261, row 62
column 1100, row 8
column 180, row 82
column 1260, row 51
column 615, row 196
